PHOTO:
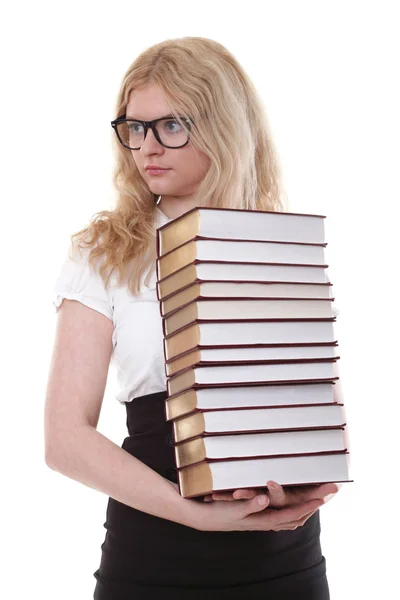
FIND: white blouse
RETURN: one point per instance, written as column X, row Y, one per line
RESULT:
column 137, row 339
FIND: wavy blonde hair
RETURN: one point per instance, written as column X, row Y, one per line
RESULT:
column 200, row 80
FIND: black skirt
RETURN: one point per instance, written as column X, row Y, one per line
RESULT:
column 143, row 555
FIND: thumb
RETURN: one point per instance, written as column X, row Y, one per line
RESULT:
column 277, row 494
column 253, row 505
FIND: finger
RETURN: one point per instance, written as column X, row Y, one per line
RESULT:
column 253, row 505
column 244, row 494
column 225, row 496
column 241, row 494
column 279, row 517
column 208, row 498
column 280, row 496
column 298, row 512
column 277, row 494
column 273, row 519
column 319, row 491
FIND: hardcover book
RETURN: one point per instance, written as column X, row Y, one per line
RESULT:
column 209, row 422
column 248, row 251
column 225, row 374
column 250, row 350
column 226, row 223
column 243, row 289
column 249, row 445
column 244, row 272
column 231, row 397
column 229, row 475
column 247, row 333
column 246, row 354
column 247, row 309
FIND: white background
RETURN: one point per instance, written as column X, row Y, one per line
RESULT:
column 328, row 75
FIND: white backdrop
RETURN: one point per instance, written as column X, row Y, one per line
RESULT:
column 328, row 75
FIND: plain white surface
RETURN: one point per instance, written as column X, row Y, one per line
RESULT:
column 327, row 74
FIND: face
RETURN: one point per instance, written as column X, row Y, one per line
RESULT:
column 186, row 166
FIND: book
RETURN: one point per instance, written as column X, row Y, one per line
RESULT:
column 247, row 333
column 226, row 223
column 246, row 272
column 207, row 422
column 247, row 354
column 243, row 289
column 229, row 475
column 248, row 251
column 250, row 350
column 261, row 396
column 248, row 445
column 222, row 374
column 247, row 309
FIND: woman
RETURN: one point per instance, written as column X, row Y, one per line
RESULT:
column 203, row 124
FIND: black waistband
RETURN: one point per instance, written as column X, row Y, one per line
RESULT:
column 150, row 434
column 146, row 413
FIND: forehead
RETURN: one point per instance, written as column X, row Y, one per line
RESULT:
column 147, row 103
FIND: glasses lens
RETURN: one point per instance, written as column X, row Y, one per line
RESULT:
column 172, row 133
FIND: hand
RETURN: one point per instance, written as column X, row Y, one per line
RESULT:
column 279, row 496
column 251, row 515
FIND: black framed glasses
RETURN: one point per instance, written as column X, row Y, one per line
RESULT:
column 168, row 131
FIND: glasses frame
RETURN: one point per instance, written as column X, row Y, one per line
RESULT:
column 150, row 125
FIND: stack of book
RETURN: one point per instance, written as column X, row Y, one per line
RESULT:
column 250, row 350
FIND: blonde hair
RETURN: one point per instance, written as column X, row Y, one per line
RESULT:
column 200, row 80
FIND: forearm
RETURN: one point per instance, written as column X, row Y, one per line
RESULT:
column 92, row 459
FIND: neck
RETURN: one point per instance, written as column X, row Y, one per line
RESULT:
column 174, row 207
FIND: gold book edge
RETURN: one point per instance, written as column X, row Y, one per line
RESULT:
column 180, row 405
column 179, row 299
column 177, row 259
column 188, row 427
column 179, row 232
column 185, row 316
column 182, row 341
column 177, row 281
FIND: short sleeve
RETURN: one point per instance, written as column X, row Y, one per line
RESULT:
column 77, row 280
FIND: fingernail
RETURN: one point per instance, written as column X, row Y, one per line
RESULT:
column 273, row 486
column 328, row 497
column 262, row 500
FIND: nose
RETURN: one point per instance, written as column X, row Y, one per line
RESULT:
column 150, row 144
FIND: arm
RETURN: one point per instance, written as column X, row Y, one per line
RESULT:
column 73, row 447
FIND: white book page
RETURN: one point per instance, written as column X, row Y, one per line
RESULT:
column 294, row 469
column 285, row 442
column 274, row 418
column 267, row 226
column 264, row 372
column 260, row 252
column 246, row 272
column 264, row 309
column 266, row 333
column 318, row 393
column 278, row 290
column 273, row 353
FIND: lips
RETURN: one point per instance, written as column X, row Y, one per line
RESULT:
column 156, row 168
column 156, row 171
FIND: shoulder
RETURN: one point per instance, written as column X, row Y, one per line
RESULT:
column 80, row 280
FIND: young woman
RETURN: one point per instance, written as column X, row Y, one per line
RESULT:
column 190, row 131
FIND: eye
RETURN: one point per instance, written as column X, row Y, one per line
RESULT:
column 135, row 127
column 173, row 126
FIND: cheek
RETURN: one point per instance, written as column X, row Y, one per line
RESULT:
column 199, row 163
column 135, row 162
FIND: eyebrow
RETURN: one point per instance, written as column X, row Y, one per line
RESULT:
column 164, row 117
